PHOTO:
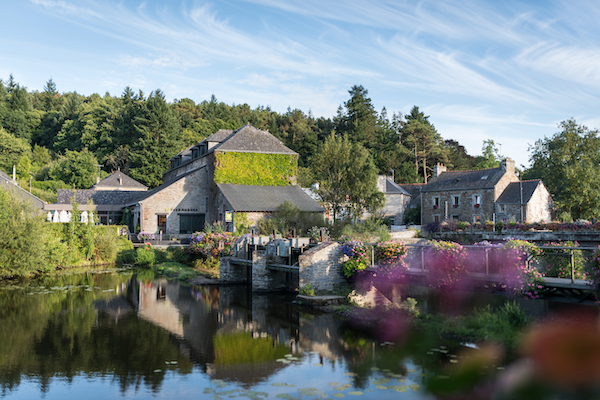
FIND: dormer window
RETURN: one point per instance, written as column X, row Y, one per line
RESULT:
column 484, row 177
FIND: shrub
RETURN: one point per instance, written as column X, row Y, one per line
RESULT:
column 390, row 257
column 558, row 261
column 143, row 236
column 145, row 257
column 516, row 271
column 357, row 253
column 446, row 261
column 106, row 246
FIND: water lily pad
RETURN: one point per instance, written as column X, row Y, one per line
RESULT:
column 401, row 388
column 430, row 352
column 289, row 355
column 356, row 393
column 415, row 387
column 350, row 373
column 412, row 370
column 340, row 395
column 314, row 352
column 318, row 365
column 333, row 383
column 158, row 370
column 382, row 387
column 453, row 360
column 278, row 384
column 374, row 369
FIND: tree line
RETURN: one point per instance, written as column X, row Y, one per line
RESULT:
column 63, row 140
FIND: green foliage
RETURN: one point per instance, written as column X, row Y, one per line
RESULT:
column 145, row 257
column 347, row 177
column 22, row 250
column 569, row 164
column 77, row 169
column 307, row 290
column 288, row 218
column 373, row 228
column 413, row 215
column 490, row 157
column 241, row 223
column 12, row 149
column 255, row 169
column 353, row 266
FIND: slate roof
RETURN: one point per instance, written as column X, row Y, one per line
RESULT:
column 112, row 181
column 250, row 198
column 7, row 183
column 99, row 197
column 455, row 180
column 512, row 193
column 392, row 187
column 413, row 189
column 219, row 136
column 248, row 139
column 145, row 195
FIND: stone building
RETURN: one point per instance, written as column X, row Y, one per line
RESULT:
column 396, row 199
column 480, row 195
column 232, row 171
column 106, row 199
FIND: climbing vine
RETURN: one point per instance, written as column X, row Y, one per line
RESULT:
column 255, row 169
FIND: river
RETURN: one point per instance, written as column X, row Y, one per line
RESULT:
column 134, row 335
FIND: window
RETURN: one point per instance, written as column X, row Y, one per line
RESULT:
column 161, row 223
column 455, row 217
column 455, row 201
column 436, row 218
column 502, row 208
column 436, row 202
column 476, row 218
column 476, row 200
column 190, row 223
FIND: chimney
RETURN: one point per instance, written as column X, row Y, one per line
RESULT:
column 508, row 165
column 14, row 173
column 438, row 169
column 98, row 179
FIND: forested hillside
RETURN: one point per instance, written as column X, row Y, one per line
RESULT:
column 60, row 140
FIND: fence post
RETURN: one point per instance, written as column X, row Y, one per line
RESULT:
column 572, row 266
column 422, row 259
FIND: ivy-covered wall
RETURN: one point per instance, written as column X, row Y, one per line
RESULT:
column 255, row 168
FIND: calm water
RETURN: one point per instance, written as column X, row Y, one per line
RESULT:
column 107, row 335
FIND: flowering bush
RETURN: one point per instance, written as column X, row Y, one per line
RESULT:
column 358, row 257
column 212, row 244
column 446, row 261
column 558, row 261
column 519, row 276
column 390, row 257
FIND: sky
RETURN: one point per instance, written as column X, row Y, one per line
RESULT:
column 509, row 71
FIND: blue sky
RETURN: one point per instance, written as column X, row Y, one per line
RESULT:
column 503, row 70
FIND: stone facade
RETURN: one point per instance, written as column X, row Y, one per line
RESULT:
column 491, row 194
column 396, row 199
column 185, row 196
column 321, row 266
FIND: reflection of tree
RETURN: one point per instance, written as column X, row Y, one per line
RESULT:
column 61, row 334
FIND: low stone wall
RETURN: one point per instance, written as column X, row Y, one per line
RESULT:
column 321, row 266
column 589, row 237
column 231, row 273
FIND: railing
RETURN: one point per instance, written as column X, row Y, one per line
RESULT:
column 571, row 263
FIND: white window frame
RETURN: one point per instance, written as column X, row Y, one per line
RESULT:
column 476, row 199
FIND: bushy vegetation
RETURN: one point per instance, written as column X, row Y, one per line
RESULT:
column 29, row 245
column 288, row 219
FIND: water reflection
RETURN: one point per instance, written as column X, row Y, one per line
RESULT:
column 135, row 335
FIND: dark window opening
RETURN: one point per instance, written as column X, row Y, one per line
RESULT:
column 190, row 223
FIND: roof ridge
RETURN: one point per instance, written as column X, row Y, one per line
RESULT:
column 472, row 170
column 530, row 180
column 410, row 183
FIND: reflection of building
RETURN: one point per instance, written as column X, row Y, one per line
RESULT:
column 204, row 318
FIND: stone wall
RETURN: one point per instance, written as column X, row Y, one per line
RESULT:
column 232, row 273
column 321, row 266
column 185, row 196
column 465, row 211
column 539, row 207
